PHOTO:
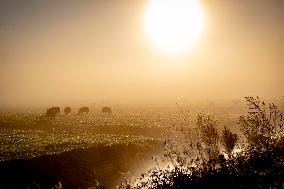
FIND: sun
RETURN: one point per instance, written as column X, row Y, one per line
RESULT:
column 173, row 26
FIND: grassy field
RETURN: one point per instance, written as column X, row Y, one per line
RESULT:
column 29, row 135
column 29, row 142
column 69, row 147
column 26, row 136
column 25, row 144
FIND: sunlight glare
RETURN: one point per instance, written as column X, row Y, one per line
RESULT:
column 173, row 26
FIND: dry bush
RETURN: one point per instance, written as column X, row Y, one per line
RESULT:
column 209, row 135
column 252, row 168
column 228, row 140
column 262, row 125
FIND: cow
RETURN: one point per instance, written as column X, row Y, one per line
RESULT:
column 52, row 112
column 106, row 110
column 67, row 110
column 83, row 110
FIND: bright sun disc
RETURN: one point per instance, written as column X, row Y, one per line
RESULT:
column 173, row 26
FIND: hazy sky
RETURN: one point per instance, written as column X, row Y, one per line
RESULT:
column 60, row 52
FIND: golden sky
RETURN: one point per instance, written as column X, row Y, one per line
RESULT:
column 60, row 52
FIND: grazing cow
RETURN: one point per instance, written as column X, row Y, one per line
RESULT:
column 52, row 112
column 67, row 110
column 106, row 110
column 83, row 110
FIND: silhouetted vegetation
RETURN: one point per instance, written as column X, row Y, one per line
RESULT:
column 262, row 125
column 260, row 164
column 206, row 125
column 229, row 140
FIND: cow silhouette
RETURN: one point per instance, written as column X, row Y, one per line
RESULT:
column 83, row 110
column 52, row 112
column 106, row 110
column 67, row 110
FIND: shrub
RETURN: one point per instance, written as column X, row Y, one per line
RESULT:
column 260, row 165
column 209, row 135
column 228, row 140
column 262, row 126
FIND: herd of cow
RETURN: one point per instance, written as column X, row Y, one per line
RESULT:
column 55, row 111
